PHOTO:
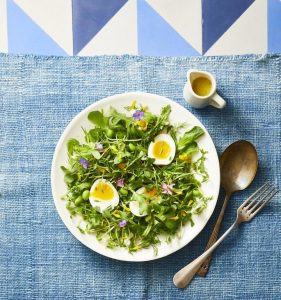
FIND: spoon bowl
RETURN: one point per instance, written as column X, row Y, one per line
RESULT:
column 238, row 164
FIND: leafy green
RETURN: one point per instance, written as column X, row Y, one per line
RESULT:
column 189, row 137
column 97, row 118
column 190, row 149
column 71, row 144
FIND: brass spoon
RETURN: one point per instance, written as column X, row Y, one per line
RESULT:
column 238, row 164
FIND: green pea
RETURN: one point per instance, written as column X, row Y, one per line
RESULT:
column 114, row 149
column 86, row 195
column 123, row 192
column 196, row 193
column 132, row 147
column 78, row 200
column 109, row 133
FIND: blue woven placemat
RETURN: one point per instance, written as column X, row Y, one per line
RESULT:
column 40, row 259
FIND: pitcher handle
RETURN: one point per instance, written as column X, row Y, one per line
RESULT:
column 217, row 101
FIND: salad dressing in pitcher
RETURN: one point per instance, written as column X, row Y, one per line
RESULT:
column 200, row 90
column 202, row 86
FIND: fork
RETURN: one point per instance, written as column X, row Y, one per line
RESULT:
column 245, row 213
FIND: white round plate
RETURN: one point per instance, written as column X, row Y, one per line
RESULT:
column 154, row 103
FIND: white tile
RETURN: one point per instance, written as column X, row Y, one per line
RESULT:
column 3, row 27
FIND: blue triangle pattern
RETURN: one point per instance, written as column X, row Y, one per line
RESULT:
column 218, row 16
column 89, row 17
column 157, row 37
column 274, row 26
column 25, row 36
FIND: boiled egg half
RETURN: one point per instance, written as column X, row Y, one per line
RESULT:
column 134, row 205
column 162, row 149
column 103, row 195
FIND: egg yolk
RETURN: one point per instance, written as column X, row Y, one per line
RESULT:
column 103, row 191
column 161, row 150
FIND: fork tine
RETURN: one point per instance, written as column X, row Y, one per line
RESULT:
column 250, row 208
column 264, row 204
column 251, row 204
column 253, row 195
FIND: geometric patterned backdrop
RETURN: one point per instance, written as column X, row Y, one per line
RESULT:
column 152, row 27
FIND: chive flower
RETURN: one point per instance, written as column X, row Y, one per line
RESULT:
column 167, row 188
column 84, row 163
column 120, row 182
column 122, row 223
column 138, row 115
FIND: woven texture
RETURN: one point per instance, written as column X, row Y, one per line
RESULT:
column 40, row 259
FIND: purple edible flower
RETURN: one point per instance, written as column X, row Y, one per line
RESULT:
column 84, row 163
column 99, row 146
column 138, row 115
column 120, row 182
column 167, row 188
column 123, row 223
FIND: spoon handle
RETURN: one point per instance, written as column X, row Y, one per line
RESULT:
column 213, row 238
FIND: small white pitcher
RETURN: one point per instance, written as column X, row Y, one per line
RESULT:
column 197, row 101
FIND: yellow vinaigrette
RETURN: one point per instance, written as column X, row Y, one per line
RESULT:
column 202, row 86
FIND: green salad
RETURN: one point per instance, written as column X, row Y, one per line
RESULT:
column 135, row 177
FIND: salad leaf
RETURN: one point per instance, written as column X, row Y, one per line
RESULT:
column 71, row 144
column 190, row 149
column 97, row 118
column 189, row 137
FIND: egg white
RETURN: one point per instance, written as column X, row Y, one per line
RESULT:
column 169, row 140
column 100, row 204
column 134, row 205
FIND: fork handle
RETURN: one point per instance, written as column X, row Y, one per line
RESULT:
column 213, row 238
column 184, row 276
